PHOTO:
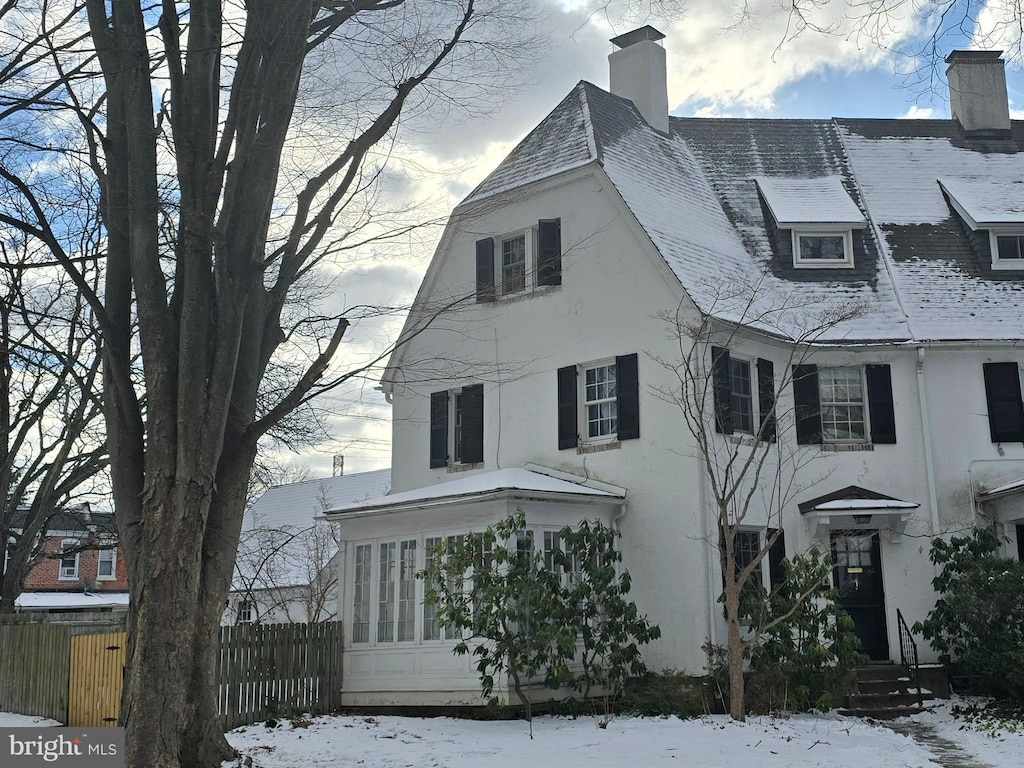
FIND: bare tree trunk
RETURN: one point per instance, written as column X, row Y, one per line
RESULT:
column 737, row 705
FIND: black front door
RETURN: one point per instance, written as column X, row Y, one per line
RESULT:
column 858, row 579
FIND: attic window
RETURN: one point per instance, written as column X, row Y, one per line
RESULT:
column 1007, row 250
column 821, row 215
column 828, row 249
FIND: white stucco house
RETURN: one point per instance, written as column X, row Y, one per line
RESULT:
column 285, row 569
column 551, row 387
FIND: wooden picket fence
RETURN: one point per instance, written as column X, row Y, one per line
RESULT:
column 262, row 669
column 268, row 669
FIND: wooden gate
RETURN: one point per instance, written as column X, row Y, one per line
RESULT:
column 97, row 669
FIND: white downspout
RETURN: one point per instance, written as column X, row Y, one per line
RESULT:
column 926, row 435
column 710, row 562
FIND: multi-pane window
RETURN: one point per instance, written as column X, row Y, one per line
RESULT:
column 431, row 627
column 746, row 547
column 513, row 265
column 407, row 591
column 599, row 401
column 457, row 426
column 386, row 594
column 69, row 562
column 741, row 396
column 842, row 404
column 361, row 595
column 106, row 563
column 822, row 248
column 1010, row 247
column 854, row 551
column 246, row 612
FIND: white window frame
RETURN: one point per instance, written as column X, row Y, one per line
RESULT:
column 866, row 438
column 1002, row 264
column 400, row 625
column 359, row 637
column 246, row 612
column 845, row 263
column 68, row 574
column 455, row 426
column 582, row 417
column 112, row 554
column 529, row 236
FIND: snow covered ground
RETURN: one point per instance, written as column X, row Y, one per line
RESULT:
column 8, row 720
column 803, row 741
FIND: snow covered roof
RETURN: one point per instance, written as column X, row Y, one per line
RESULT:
column 48, row 601
column 1017, row 486
column 809, row 201
column 293, row 506
column 917, row 275
column 855, row 500
column 511, row 481
column 278, row 540
column 984, row 202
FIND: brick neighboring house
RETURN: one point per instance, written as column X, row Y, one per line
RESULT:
column 87, row 577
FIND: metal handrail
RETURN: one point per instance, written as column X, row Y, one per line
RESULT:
column 908, row 654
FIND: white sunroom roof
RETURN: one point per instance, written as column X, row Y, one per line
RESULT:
column 477, row 485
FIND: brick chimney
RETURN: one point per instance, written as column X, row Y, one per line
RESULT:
column 637, row 72
column 977, row 91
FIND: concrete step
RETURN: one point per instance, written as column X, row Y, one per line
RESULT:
column 882, row 713
column 881, row 672
column 899, row 685
column 881, row 700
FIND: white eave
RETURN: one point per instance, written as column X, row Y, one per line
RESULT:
column 502, row 483
column 860, row 513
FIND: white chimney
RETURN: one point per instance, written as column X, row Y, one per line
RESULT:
column 637, row 73
column 977, row 91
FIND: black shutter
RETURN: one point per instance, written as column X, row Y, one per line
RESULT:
column 567, row 437
column 1005, row 410
column 766, row 397
column 485, row 269
column 776, row 554
column 473, row 424
column 549, row 252
column 438, row 429
column 880, row 406
column 1020, row 543
column 721, row 378
column 627, row 384
column 808, row 404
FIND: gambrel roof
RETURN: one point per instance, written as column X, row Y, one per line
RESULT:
column 921, row 273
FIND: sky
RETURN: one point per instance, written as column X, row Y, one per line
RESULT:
column 763, row 65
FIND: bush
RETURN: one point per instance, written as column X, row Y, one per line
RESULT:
column 803, row 657
column 665, row 694
column 977, row 624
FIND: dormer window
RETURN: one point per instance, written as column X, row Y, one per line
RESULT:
column 821, row 216
column 832, row 249
column 994, row 206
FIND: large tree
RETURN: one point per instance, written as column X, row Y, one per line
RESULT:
column 213, row 213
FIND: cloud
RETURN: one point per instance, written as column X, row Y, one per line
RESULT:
column 921, row 113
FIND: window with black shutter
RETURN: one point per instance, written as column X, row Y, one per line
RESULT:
column 1005, row 410
column 721, row 380
column 485, row 269
column 737, row 386
column 807, row 404
column 549, row 252
column 457, row 426
column 880, row 404
column 599, row 402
